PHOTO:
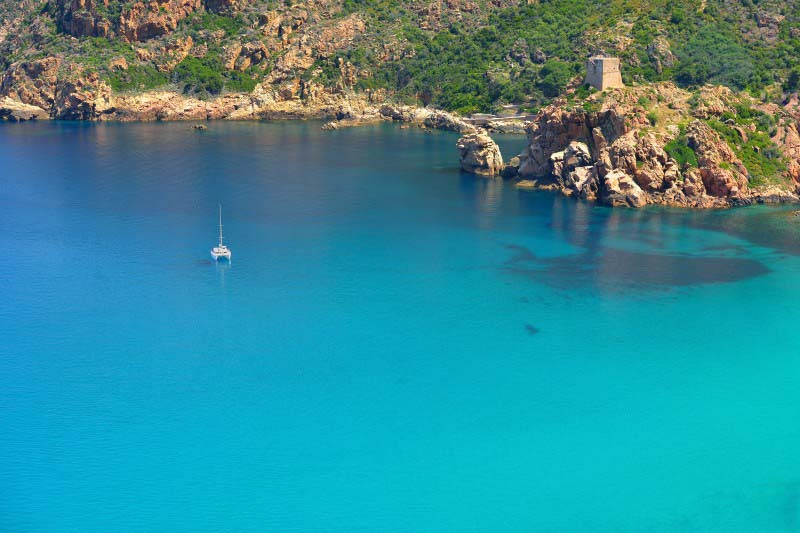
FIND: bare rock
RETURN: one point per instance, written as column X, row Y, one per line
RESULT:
column 83, row 98
column 32, row 82
column 145, row 20
column 16, row 111
column 724, row 175
column 621, row 190
column 511, row 169
column 173, row 53
column 119, row 63
column 693, row 183
column 479, row 154
column 441, row 120
column 774, row 195
column 526, row 184
column 660, row 54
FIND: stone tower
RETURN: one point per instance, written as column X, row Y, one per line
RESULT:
column 602, row 72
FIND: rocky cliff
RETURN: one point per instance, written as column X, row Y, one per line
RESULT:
column 458, row 55
column 662, row 145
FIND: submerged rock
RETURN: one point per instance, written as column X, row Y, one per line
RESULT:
column 526, row 184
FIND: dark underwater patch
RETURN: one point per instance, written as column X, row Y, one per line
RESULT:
column 531, row 329
column 615, row 268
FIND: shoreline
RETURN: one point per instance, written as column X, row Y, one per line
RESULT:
column 480, row 155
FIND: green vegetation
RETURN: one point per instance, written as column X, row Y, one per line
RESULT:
column 679, row 150
column 201, row 77
column 137, row 78
column 465, row 60
column 212, row 22
column 756, row 150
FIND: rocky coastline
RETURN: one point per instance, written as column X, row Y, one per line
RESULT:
column 612, row 149
column 607, row 148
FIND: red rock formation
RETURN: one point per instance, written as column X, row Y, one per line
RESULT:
column 576, row 151
column 144, row 21
column 80, row 18
column 723, row 173
column 32, row 82
column 83, row 97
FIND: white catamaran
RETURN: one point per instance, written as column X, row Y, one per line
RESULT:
column 221, row 251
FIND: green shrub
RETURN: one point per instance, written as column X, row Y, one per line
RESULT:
column 679, row 150
column 759, row 154
column 137, row 78
column 199, row 77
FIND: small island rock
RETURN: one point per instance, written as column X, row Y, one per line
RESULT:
column 479, row 154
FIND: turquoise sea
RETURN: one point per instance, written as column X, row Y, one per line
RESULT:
column 396, row 346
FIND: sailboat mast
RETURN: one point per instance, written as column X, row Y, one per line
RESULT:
column 220, row 225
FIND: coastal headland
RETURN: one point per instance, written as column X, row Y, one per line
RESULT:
column 662, row 131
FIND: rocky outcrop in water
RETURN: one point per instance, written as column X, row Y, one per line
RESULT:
column 617, row 155
column 479, row 154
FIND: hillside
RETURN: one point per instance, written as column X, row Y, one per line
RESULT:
column 70, row 56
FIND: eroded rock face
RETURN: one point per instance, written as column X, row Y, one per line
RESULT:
column 144, row 21
column 80, row 18
column 32, row 82
column 555, row 128
column 173, row 53
column 616, row 156
column 787, row 138
column 574, row 170
column 82, row 98
column 724, row 175
column 660, row 54
column 621, row 190
column 479, row 154
column 242, row 56
column 15, row 111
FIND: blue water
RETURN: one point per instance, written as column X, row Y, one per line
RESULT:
column 396, row 346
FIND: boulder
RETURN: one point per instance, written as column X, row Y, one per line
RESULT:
column 479, row 154
column 511, row 169
column 621, row 190
column 693, row 183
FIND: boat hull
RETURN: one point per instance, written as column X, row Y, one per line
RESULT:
column 223, row 254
